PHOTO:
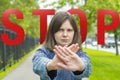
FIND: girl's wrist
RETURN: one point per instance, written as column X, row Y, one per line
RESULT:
column 82, row 66
column 50, row 66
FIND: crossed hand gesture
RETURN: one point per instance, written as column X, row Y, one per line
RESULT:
column 66, row 58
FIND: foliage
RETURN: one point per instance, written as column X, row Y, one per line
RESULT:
column 29, row 23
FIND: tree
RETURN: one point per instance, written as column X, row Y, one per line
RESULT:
column 30, row 24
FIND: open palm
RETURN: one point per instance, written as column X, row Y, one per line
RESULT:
column 68, row 59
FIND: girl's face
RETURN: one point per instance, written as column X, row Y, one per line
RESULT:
column 64, row 36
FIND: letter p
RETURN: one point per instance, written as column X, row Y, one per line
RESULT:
column 101, row 25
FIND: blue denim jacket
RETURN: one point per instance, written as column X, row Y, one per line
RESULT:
column 43, row 56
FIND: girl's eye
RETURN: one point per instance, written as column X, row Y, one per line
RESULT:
column 60, row 30
column 70, row 30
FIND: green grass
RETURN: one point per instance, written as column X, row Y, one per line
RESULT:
column 9, row 69
column 105, row 65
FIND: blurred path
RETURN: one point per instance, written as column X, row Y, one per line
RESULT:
column 23, row 72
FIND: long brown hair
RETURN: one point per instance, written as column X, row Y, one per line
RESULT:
column 55, row 25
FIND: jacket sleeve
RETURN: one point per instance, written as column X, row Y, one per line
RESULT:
column 39, row 64
column 86, row 73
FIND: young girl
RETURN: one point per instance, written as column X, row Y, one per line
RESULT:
column 61, row 57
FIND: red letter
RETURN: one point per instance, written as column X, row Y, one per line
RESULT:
column 83, row 22
column 101, row 25
column 14, row 27
column 43, row 21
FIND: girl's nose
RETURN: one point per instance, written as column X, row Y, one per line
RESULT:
column 65, row 33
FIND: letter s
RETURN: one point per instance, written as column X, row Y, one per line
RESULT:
column 11, row 26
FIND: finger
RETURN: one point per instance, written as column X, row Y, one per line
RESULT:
column 64, row 59
column 75, row 48
column 60, row 56
column 69, row 51
column 71, row 47
column 78, row 48
column 55, row 51
column 76, row 44
column 66, row 46
column 59, row 50
column 63, row 51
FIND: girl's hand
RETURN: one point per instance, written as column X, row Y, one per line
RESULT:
column 69, row 60
column 63, row 59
